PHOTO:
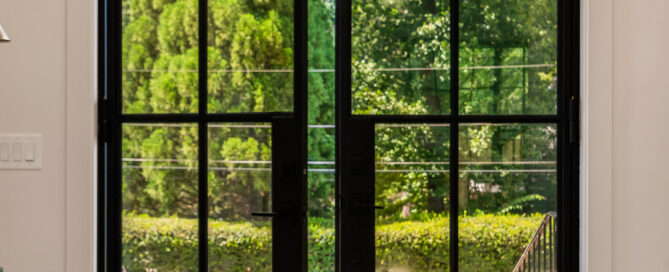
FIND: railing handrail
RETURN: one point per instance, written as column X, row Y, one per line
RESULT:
column 548, row 218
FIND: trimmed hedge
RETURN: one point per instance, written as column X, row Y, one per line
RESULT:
column 487, row 243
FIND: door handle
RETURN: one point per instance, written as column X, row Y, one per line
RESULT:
column 367, row 206
column 265, row 214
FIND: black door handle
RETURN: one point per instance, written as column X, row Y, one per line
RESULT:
column 361, row 205
column 265, row 214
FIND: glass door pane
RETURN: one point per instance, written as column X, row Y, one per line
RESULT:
column 508, row 57
column 250, row 56
column 507, row 188
column 321, row 136
column 321, row 198
column 159, row 197
column 400, row 57
column 160, row 56
column 240, row 184
column 412, row 197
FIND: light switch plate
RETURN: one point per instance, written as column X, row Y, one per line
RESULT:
column 24, row 151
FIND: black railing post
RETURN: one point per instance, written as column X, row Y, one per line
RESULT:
column 542, row 243
column 545, row 248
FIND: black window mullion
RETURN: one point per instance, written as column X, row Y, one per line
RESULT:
column 113, row 183
column 454, row 141
column 203, row 202
column 196, row 117
column 459, row 118
column 202, row 57
column 342, row 119
column 300, row 111
column 568, row 136
column 203, row 206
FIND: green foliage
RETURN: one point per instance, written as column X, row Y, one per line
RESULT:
column 152, row 189
column 494, row 243
column 487, row 243
column 239, row 246
column 321, row 245
column 178, row 27
column 321, row 102
column 173, row 83
column 496, row 32
column 160, row 61
column 258, row 44
column 161, row 243
column 400, row 34
column 492, row 188
column 520, row 203
column 233, row 195
column 421, row 191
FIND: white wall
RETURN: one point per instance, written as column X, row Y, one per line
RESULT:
column 641, row 135
column 32, row 99
column 596, row 135
column 47, row 81
column 46, row 86
column 625, row 143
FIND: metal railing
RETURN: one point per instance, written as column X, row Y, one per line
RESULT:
column 540, row 254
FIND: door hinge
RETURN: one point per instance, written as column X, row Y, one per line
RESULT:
column 574, row 120
column 103, row 124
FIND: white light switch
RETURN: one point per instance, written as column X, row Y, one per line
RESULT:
column 17, row 152
column 30, row 152
column 20, row 151
column 4, row 152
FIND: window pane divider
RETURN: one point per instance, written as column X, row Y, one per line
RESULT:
column 453, row 155
column 460, row 118
column 203, row 155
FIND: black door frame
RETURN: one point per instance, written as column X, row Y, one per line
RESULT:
column 355, row 145
column 289, row 151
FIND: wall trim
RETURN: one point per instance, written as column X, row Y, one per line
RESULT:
column 81, row 139
column 596, row 135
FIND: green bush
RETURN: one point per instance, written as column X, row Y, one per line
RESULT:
column 321, row 245
column 495, row 243
column 487, row 243
column 164, row 244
